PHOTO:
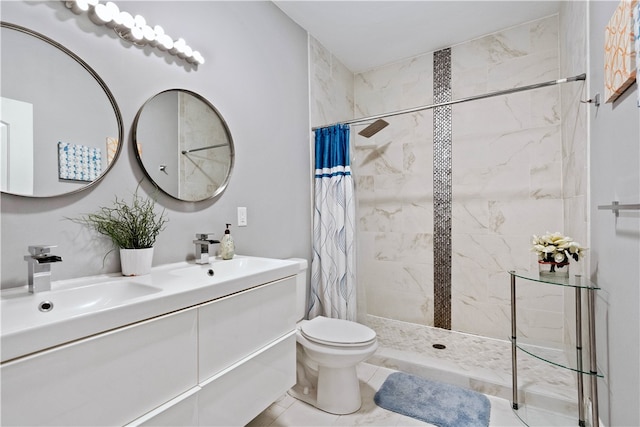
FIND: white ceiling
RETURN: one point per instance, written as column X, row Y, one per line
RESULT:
column 366, row 34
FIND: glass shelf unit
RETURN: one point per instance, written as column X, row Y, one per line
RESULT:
column 574, row 281
column 553, row 358
column 580, row 285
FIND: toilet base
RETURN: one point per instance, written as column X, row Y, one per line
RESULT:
column 337, row 392
column 306, row 394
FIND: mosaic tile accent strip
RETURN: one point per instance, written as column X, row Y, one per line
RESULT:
column 442, row 189
column 78, row 162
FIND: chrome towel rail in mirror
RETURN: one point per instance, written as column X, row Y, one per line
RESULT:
column 209, row 147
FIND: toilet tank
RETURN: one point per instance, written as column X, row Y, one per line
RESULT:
column 301, row 288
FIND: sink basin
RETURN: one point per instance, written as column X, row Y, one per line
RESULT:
column 228, row 268
column 72, row 309
column 236, row 267
column 23, row 310
column 193, row 271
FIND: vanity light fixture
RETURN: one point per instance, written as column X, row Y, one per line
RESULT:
column 134, row 29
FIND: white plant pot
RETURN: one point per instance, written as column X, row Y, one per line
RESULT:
column 136, row 262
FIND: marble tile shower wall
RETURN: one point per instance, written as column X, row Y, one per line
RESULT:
column 394, row 187
column 507, row 184
column 330, row 87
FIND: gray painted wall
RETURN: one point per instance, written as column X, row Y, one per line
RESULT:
column 615, row 243
column 256, row 76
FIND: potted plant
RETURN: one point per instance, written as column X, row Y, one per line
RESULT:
column 554, row 251
column 132, row 227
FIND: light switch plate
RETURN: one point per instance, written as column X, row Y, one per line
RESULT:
column 242, row 217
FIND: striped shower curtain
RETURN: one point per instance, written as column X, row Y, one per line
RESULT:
column 333, row 285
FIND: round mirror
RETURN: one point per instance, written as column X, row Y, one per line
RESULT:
column 184, row 145
column 60, row 126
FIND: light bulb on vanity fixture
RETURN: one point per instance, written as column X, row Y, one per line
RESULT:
column 134, row 29
column 99, row 14
column 146, row 32
column 80, row 6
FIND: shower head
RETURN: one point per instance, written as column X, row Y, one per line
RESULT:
column 373, row 128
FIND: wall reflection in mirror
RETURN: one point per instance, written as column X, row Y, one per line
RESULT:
column 59, row 123
column 184, row 145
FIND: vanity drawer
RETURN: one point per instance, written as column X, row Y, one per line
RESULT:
column 107, row 379
column 236, row 326
column 181, row 411
column 238, row 394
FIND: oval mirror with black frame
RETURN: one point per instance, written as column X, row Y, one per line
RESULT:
column 184, row 145
column 60, row 126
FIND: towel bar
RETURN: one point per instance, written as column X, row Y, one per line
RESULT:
column 616, row 207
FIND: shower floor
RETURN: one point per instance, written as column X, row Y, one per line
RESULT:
column 479, row 363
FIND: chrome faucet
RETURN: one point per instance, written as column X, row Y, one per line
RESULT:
column 39, row 264
column 202, row 247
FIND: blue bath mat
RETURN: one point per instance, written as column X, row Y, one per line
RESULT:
column 441, row 404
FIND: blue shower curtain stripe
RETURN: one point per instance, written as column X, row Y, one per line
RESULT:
column 334, row 172
column 335, row 153
column 333, row 264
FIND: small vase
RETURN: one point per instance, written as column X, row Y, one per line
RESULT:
column 136, row 262
column 551, row 269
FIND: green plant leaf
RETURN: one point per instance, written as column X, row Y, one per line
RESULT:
column 133, row 225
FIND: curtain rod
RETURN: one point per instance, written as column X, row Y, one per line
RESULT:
column 582, row 76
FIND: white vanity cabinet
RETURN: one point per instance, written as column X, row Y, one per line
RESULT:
column 247, row 351
column 107, row 379
column 246, row 359
column 232, row 328
column 219, row 362
column 237, row 395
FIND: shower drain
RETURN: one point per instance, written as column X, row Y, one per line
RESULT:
column 439, row 346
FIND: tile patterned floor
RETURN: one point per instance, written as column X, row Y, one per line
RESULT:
column 469, row 361
column 289, row 412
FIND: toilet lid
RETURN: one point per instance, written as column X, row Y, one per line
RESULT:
column 337, row 332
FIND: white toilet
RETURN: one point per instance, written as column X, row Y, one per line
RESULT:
column 328, row 351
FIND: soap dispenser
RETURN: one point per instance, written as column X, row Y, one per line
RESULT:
column 227, row 247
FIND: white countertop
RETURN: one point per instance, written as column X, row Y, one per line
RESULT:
column 90, row 305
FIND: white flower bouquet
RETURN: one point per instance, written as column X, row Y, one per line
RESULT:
column 556, row 248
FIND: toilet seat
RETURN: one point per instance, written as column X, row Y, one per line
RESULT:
column 337, row 332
